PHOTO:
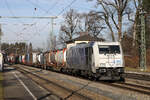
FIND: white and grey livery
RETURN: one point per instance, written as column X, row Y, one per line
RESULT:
column 103, row 60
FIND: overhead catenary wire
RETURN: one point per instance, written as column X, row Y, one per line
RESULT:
column 34, row 4
column 53, row 6
column 11, row 12
column 9, row 9
column 33, row 36
column 70, row 4
column 42, row 29
column 47, row 11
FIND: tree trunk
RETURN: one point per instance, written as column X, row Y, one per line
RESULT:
column 120, row 26
column 112, row 35
column 135, row 27
column 134, row 33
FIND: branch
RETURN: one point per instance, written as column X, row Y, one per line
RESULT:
column 112, row 17
column 110, row 4
column 124, row 5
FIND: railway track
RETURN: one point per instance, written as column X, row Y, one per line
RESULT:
column 126, row 86
column 138, row 76
column 61, row 92
column 132, row 87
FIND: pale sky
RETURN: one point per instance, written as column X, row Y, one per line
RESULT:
column 17, row 30
column 36, row 31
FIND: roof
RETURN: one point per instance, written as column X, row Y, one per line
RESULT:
column 85, row 38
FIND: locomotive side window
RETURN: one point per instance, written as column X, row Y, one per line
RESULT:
column 103, row 49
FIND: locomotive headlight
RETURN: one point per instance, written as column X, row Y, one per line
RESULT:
column 102, row 65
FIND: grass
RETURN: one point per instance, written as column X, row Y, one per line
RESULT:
column 1, row 87
column 136, row 69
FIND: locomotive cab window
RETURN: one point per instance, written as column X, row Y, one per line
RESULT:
column 111, row 49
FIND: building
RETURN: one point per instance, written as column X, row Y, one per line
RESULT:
column 83, row 39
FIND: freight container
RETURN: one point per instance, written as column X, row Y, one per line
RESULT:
column 1, row 62
column 41, row 59
column 23, row 59
column 49, row 57
column 27, row 60
column 30, row 59
column 34, row 58
column 61, row 57
column 38, row 59
column 46, row 57
column 56, row 56
column 20, row 59
column 52, row 57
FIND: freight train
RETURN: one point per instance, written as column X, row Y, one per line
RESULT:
column 97, row 60
column 1, row 62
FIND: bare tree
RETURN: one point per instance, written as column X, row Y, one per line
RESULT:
column 113, row 12
column 84, row 23
column 133, row 16
column 69, row 29
column 91, row 23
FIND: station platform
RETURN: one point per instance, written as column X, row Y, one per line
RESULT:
column 19, row 87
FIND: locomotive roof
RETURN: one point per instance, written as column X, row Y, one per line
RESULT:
column 90, row 44
column 81, row 45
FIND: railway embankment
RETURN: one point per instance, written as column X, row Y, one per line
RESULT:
column 137, row 70
column 1, row 86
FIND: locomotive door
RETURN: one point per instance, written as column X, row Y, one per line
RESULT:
column 88, row 54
